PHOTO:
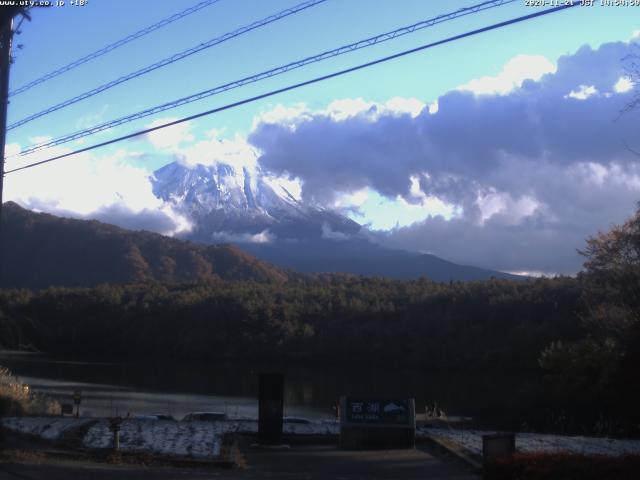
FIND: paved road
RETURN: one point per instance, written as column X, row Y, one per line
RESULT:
column 80, row 471
column 321, row 462
column 302, row 462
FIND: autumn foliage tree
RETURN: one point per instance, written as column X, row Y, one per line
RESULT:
column 596, row 377
column 612, row 280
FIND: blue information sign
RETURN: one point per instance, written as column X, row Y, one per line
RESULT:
column 378, row 411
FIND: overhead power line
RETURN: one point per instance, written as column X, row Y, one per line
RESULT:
column 302, row 84
column 169, row 60
column 268, row 74
column 114, row 45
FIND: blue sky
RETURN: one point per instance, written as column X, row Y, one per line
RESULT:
column 58, row 35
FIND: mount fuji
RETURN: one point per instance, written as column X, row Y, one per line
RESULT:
column 230, row 205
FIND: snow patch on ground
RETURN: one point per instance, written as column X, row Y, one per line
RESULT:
column 164, row 437
column 204, row 439
column 471, row 441
column 49, row 428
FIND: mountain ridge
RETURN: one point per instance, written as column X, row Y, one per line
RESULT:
column 42, row 250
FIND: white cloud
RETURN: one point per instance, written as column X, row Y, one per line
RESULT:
column 229, row 237
column 107, row 187
column 623, row 85
column 11, row 149
column 282, row 115
column 169, row 138
column 534, row 273
column 339, row 110
column 181, row 143
column 235, row 152
column 494, row 204
column 345, row 108
column 402, row 105
column 215, row 132
column 92, row 119
column 582, row 92
column 39, row 139
column 514, row 72
column 596, row 175
column 352, row 199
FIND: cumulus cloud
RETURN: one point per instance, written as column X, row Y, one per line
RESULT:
column 623, row 85
column 322, row 152
column 107, row 188
column 235, row 152
column 179, row 141
column 346, row 108
column 538, row 233
column 531, row 161
column 169, row 138
column 582, row 92
column 515, row 71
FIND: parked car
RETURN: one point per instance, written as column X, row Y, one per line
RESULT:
column 153, row 416
column 162, row 416
column 295, row 420
column 205, row 416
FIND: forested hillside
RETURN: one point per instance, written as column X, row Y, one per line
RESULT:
column 492, row 324
column 41, row 250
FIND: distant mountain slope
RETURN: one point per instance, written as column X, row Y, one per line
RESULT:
column 41, row 250
column 361, row 257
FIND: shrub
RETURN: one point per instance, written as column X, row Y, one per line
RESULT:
column 564, row 466
column 16, row 398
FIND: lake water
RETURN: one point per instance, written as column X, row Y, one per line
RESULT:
column 113, row 387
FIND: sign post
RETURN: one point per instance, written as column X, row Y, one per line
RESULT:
column 370, row 422
column 114, row 426
column 77, row 398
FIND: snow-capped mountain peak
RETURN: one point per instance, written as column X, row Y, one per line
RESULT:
column 222, row 199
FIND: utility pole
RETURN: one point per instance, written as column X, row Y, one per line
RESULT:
column 6, row 34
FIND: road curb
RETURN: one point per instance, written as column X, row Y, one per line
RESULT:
column 454, row 450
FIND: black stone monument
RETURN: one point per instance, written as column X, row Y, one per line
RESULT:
column 270, row 407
